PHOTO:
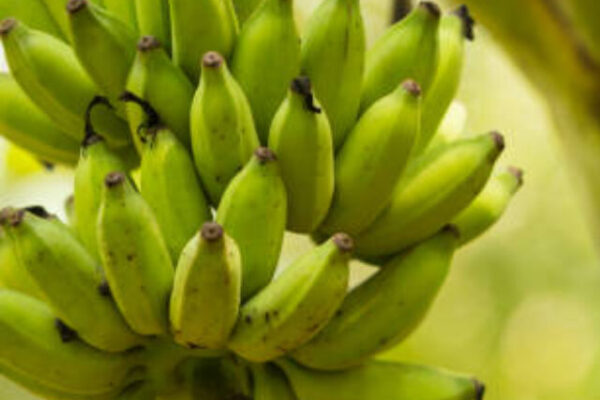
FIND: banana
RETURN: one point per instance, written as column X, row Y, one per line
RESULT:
column 56, row 8
column 245, row 8
column 135, row 256
column 69, row 279
column 333, row 56
column 259, row 188
column 34, row 13
column 301, row 137
column 153, row 19
column 12, row 273
column 406, row 50
column 378, row 380
column 206, row 294
column 200, row 26
column 270, row 383
column 25, row 125
column 50, row 74
column 223, row 134
column 453, row 30
column 266, row 59
column 385, row 309
column 435, row 189
column 123, row 9
column 372, row 160
column 296, row 305
column 218, row 379
column 489, row 205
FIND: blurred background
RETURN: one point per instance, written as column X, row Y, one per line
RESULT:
column 521, row 307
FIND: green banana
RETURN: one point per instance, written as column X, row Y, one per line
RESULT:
column 270, row 383
column 385, row 309
column 453, row 30
column 245, row 8
column 24, row 124
column 266, row 59
column 200, row 26
column 135, row 256
column 436, row 188
column 333, row 56
column 34, row 13
column 296, row 305
column 258, row 187
column 12, row 273
column 56, row 8
column 50, row 74
column 123, row 9
column 206, row 295
column 223, row 134
column 301, row 137
column 153, row 19
column 377, row 150
column 379, row 380
column 489, row 205
column 406, row 50
column 218, row 379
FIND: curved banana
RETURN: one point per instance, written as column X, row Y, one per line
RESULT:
column 125, row 10
column 258, row 187
column 333, row 56
column 372, row 160
column 435, row 189
column 301, row 137
column 245, row 8
column 12, row 273
column 34, row 13
column 385, row 309
column 223, row 134
column 153, row 19
column 296, row 305
column 206, row 295
column 266, row 59
column 406, row 50
column 270, row 383
column 200, row 26
column 135, row 257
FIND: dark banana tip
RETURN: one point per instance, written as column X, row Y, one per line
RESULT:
column 5, row 214
column 265, row 155
column 453, row 229
column 303, row 87
column 91, row 140
column 38, row 211
column 212, row 59
column 518, row 173
column 479, row 389
column 211, row 231
column 11, row 217
column 114, row 179
column 463, row 13
column 343, row 242
column 66, row 333
column 412, row 87
column 7, row 25
column 104, row 289
column 148, row 43
column 76, row 5
column 431, row 8
column 498, row 139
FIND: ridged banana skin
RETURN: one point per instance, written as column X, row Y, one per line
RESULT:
column 206, row 295
column 378, row 380
column 270, row 383
column 296, row 305
column 135, row 257
column 124, row 9
column 34, row 13
column 301, row 137
column 489, row 205
column 333, row 56
column 13, row 275
column 153, row 19
column 434, row 190
column 383, row 310
column 223, row 134
column 176, row 198
column 50, row 74
column 266, row 59
column 245, row 8
column 25, row 125
column 258, row 187
column 407, row 50
column 373, row 159
column 199, row 26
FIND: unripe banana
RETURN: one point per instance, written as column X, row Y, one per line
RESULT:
column 153, row 19
column 199, row 26
column 245, row 8
column 435, row 189
column 406, row 50
column 135, row 257
column 378, row 380
column 259, row 188
column 372, row 160
column 270, row 383
column 385, row 309
column 301, row 137
column 123, row 9
column 24, row 124
column 206, row 295
column 266, row 59
column 217, row 379
column 296, row 305
column 12, row 273
column 333, row 56
column 223, row 134
column 34, row 13
column 56, row 8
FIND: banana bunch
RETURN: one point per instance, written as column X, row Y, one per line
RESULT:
column 200, row 131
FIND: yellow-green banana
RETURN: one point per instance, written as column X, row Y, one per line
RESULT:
column 135, row 256
column 223, row 134
column 34, row 13
column 56, row 8
column 435, row 189
column 206, row 295
column 153, row 19
column 406, row 50
column 296, row 305
column 270, row 383
column 301, row 137
column 245, row 8
column 385, row 309
column 258, row 187
column 199, row 26
column 123, row 9
column 333, row 56
column 372, row 160
column 12, row 273
column 266, row 59
column 378, row 380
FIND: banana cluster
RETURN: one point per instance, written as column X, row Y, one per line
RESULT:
column 200, row 131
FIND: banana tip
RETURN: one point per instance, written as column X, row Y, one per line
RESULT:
column 453, row 229
column 11, row 217
column 7, row 25
column 518, row 173
column 265, row 155
column 91, row 139
column 431, row 7
column 479, row 389
column 303, row 87
column 463, row 13
column 498, row 139
column 66, row 333
column 114, row 179
column 212, row 59
column 38, row 211
column 412, row 87
column 75, row 5
column 343, row 242
column 211, row 231
column 148, row 42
